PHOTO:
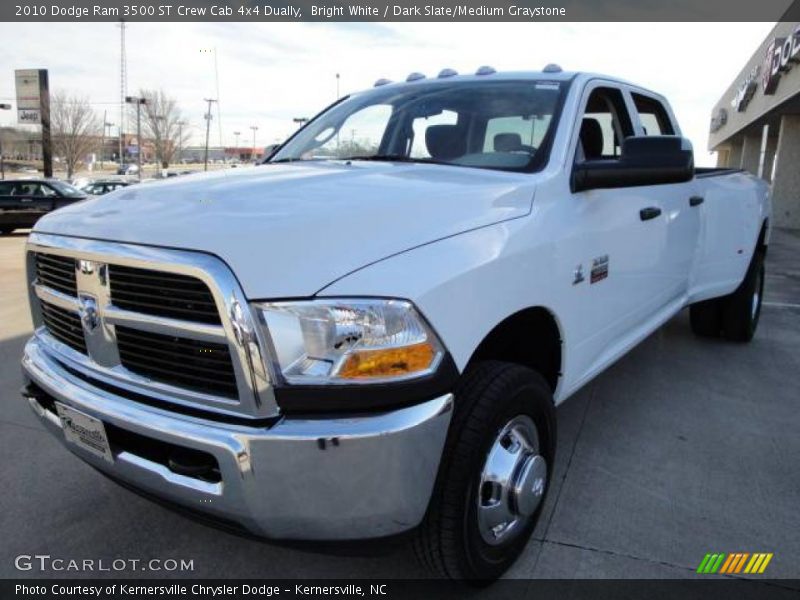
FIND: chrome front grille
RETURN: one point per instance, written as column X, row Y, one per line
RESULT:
column 163, row 294
column 193, row 364
column 171, row 324
column 65, row 326
column 57, row 272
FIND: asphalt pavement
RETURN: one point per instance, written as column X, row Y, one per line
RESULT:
column 684, row 447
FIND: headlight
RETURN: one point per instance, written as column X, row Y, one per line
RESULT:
column 350, row 341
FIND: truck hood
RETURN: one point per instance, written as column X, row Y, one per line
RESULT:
column 290, row 230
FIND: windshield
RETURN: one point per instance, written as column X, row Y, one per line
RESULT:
column 502, row 125
column 67, row 190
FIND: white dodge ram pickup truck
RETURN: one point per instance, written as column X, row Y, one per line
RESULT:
column 368, row 335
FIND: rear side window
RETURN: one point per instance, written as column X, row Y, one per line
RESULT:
column 5, row 189
column 653, row 116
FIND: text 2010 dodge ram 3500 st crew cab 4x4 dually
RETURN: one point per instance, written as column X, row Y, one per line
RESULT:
column 368, row 335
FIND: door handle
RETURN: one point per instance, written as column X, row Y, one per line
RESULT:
column 696, row 200
column 651, row 212
column 26, row 199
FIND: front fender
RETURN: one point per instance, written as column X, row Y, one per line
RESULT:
column 466, row 284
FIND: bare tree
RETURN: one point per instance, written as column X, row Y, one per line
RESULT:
column 163, row 123
column 75, row 127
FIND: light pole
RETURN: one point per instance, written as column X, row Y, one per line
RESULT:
column 139, row 102
column 180, row 125
column 337, row 86
column 106, row 133
column 253, row 153
column 237, row 134
column 300, row 120
column 208, row 130
column 2, row 159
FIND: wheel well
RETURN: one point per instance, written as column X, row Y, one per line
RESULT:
column 530, row 338
column 761, row 244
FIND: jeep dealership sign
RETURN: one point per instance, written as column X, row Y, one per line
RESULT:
column 31, row 85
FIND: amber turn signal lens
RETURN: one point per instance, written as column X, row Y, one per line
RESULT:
column 390, row 362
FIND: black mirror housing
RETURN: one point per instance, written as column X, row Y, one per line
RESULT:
column 645, row 160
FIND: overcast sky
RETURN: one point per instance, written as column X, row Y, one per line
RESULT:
column 271, row 73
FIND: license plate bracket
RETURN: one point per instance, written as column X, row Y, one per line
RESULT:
column 85, row 431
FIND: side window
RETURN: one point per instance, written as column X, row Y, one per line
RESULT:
column 419, row 148
column 5, row 189
column 46, row 190
column 26, row 189
column 359, row 135
column 653, row 116
column 604, row 125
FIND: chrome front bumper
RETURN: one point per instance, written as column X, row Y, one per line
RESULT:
column 351, row 477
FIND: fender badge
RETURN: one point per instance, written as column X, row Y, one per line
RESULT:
column 578, row 275
column 599, row 269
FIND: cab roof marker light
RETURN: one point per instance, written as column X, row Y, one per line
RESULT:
column 382, row 81
column 447, row 73
column 415, row 76
column 552, row 68
column 486, row 70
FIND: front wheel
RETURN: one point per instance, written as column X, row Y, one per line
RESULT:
column 494, row 475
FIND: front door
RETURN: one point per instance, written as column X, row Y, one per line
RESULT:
column 615, row 243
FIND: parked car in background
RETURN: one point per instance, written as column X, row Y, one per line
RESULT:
column 103, row 186
column 24, row 201
column 128, row 169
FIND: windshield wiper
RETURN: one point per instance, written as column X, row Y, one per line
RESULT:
column 286, row 160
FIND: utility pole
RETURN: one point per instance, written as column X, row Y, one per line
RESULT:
column 123, row 88
column 139, row 102
column 2, row 159
column 237, row 134
column 47, row 141
column 208, row 130
column 253, row 153
column 337, row 86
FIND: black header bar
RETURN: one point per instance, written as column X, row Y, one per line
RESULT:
column 257, row 11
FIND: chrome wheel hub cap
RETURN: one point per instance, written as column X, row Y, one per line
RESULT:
column 513, row 481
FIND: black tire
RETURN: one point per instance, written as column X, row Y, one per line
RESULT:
column 488, row 396
column 6, row 230
column 706, row 318
column 742, row 309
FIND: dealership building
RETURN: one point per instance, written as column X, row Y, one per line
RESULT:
column 756, row 124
